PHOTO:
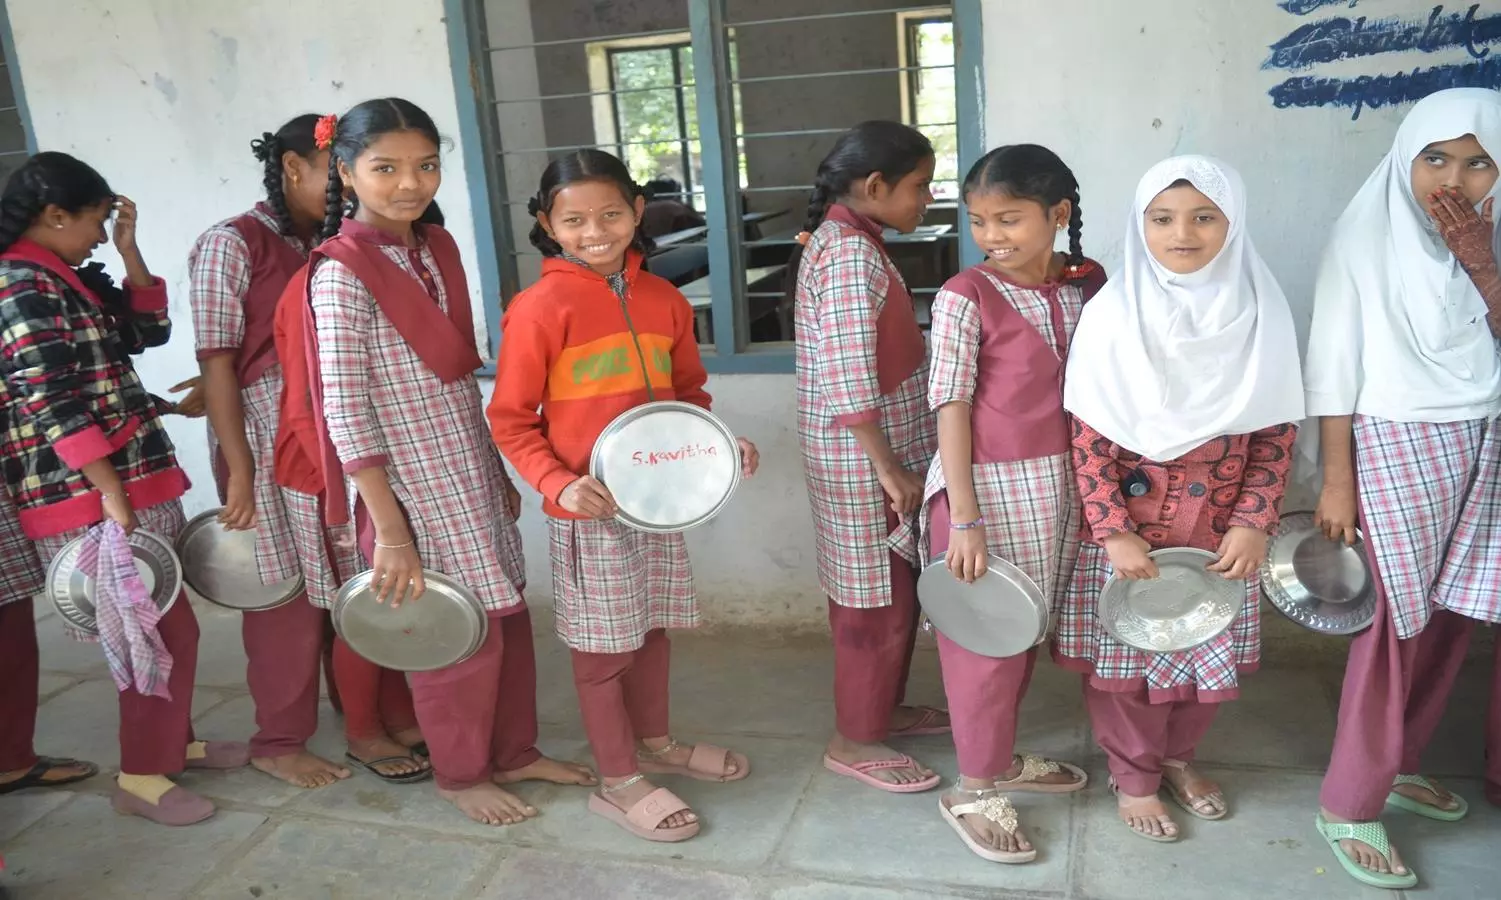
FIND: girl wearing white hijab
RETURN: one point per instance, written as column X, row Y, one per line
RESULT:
column 1404, row 373
column 1183, row 386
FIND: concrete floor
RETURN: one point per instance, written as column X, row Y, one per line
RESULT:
column 791, row 832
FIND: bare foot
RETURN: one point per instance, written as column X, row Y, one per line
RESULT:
column 1146, row 816
column 905, row 717
column 487, row 804
column 626, row 797
column 841, row 749
column 1364, row 854
column 986, row 833
column 303, row 769
column 1206, row 797
column 377, row 748
column 554, row 770
column 1439, row 798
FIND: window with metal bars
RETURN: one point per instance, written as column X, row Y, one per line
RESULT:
column 14, row 145
column 726, row 108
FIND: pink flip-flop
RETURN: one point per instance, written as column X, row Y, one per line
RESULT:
column 860, row 771
column 922, row 727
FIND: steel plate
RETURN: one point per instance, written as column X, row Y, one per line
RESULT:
column 72, row 592
column 1183, row 607
column 220, row 565
column 443, row 627
column 670, row 465
column 1002, row 613
column 1322, row 585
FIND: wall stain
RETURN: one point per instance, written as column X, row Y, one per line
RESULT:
column 165, row 87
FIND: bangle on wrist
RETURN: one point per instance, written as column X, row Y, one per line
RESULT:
column 979, row 522
column 381, row 546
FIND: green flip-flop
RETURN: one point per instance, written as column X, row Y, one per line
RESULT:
column 1426, row 810
column 1373, row 835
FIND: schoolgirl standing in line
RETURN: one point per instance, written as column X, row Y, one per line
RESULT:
column 1001, row 483
column 1183, row 376
column 398, row 409
column 238, row 270
column 84, row 443
column 616, row 590
column 1404, row 374
column 867, row 437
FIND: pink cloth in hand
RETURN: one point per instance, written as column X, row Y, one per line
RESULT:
column 125, row 613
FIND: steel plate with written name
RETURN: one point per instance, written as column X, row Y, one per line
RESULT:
column 1183, row 607
column 670, row 465
column 1000, row 614
column 443, row 627
column 72, row 592
column 1323, row 585
column 220, row 565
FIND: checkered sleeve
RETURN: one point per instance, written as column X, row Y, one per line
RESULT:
column 846, row 354
column 344, row 315
column 1097, row 468
column 955, row 340
column 218, row 278
column 41, row 368
column 1269, row 459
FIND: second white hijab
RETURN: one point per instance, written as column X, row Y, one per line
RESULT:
column 1161, row 362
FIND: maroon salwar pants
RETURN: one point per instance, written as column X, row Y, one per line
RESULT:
column 480, row 717
column 155, row 733
column 19, row 682
column 1137, row 735
column 284, row 647
column 377, row 701
column 1394, row 695
column 873, row 658
column 623, row 698
column 984, row 692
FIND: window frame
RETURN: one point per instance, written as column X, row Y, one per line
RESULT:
column 13, row 73
column 483, row 146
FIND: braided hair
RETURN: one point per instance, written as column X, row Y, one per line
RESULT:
column 890, row 149
column 295, row 136
column 48, row 179
column 587, row 164
column 1031, row 172
column 357, row 130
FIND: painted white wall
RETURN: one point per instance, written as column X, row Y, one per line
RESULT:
column 164, row 96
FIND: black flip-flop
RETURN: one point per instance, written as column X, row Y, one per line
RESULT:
column 420, row 749
column 404, row 778
column 45, row 764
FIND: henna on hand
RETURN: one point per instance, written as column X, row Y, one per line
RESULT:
column 1469, row 235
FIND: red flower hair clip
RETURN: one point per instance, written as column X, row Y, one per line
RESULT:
column 323, row 132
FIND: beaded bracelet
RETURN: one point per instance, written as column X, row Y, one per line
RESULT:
column 967, row 526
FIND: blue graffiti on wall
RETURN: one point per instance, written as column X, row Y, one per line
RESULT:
column 1343, row 38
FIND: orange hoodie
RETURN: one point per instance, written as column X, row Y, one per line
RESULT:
column 573, row 356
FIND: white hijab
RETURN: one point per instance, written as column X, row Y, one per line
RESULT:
column 1399, row 330
column 1162, row 363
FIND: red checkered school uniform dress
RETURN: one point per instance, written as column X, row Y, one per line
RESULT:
column 1030, row 506
column 383, row 404
column 1229, row 481
column 1430, row 508
column 288, row 537
column 842, row 286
